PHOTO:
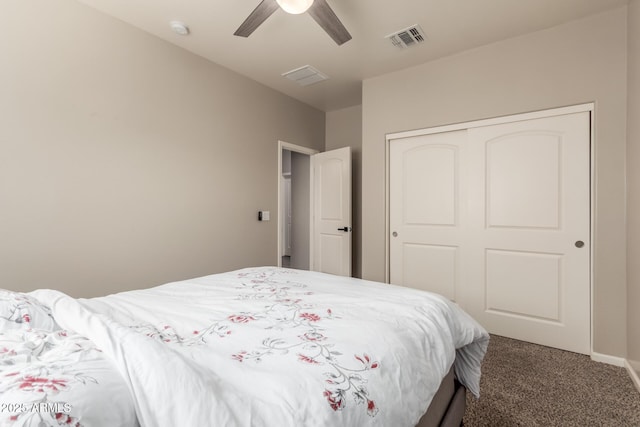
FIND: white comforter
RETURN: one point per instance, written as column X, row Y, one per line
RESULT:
column 276, row 347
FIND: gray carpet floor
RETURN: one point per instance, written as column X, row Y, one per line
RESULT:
column 525, row 384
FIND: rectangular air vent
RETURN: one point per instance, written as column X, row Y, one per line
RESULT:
column 305, row 76
column 408, row 37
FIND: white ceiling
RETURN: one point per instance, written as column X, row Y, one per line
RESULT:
column 284, row 42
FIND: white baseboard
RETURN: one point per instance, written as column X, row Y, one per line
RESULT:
column 609, row 360
column 619, row 361
column 633, row 374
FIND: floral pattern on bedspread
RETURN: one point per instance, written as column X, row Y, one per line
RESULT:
column 168, row 335
column 285, row 309
column 37, row 366
column 289, row 310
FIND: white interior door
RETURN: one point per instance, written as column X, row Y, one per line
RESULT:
column 332, row 212
column 498, row 218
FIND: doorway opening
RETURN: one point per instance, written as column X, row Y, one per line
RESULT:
column 294, row 206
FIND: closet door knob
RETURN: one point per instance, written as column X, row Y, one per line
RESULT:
column 579, row 244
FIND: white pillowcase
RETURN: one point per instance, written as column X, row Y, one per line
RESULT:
column 22, row 311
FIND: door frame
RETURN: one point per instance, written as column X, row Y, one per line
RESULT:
column 588, row 107
column 282, row 145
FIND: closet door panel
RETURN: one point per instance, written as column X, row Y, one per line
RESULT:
column 427, row 219
column 529, row 213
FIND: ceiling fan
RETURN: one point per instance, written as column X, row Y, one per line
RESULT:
column 318, row 9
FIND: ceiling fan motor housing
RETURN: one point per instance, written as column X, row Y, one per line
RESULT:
column 295, row 7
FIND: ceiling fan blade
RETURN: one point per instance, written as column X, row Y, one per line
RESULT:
column 327, row 19
column 264, row 10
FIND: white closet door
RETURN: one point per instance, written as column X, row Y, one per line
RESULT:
column 428, row 211
column 497, row 218
column 529, row 250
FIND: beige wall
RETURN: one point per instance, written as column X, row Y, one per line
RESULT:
column 633, row 186
column 344, row 129
column 126, row 162
column 582, row 61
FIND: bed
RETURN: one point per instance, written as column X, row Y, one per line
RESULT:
column 259, row 346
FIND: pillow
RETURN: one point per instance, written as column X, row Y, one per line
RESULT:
column 21, row 311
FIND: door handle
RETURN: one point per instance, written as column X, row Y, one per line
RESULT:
column 345, row 229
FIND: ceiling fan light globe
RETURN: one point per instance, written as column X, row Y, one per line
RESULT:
column 295, row 7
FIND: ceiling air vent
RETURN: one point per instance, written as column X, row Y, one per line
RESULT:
column 408, row 37
column 305, row 76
